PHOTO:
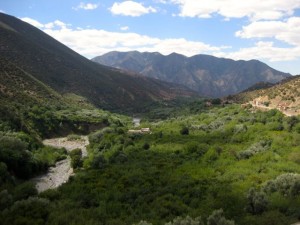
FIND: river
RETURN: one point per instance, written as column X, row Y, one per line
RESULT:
column 60, row 174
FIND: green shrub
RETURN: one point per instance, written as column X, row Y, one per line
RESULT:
column 256, row 148
column 257, row 201
column 76, row 158
column 287, row 184
column 184, row 131
column 73, row 137
column 186, row 221
column 24, row 191
column 146, row 146
column 218, row 218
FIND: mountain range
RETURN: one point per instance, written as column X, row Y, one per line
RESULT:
column 35, row 55
column 208, row 75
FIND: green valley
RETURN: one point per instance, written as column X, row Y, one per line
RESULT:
column 189, row 161
column 245, row 163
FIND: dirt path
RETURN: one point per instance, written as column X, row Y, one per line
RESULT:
column 60, row 174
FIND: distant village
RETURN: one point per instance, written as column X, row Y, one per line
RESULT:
column 137, row 122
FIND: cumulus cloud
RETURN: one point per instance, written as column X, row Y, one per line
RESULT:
column 264, row 51
column 124, row 28
column 254, row 9
column 57, row 24
column 93, row 42
column 86, row 6
column 33, row 22
column 131, row 8
column 287, row 31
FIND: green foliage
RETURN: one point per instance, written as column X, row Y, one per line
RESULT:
column 186, row 221
column 179, row 175
column 73, row 137
column 6, row 199
column 146, row 146
column 256, row 148
column 30, row 211
column 50, row 155
column 184, row 131
column 142, row 222
column 14, row 153
column 257, row 201
column 218, row 218
column 24, row 190
column 286, row 184
column 76, row 158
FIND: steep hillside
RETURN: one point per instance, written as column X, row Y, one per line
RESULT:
column 208, row 75
column 284, row 96
column 62, row 69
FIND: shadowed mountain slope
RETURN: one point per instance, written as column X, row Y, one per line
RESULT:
column 208, row 75
column 65, row 71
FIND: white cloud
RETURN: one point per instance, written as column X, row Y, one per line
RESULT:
column 86, row 6
column 124, row 28
column 131, row 8
column 287, row 31
column 161, row 1
column 57, row 24
column 254, row 9
column 263, row 51
column 2, row 11
column 33, row 22
column 93, row 42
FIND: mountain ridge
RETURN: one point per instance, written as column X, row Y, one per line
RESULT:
column 65, row 71
column 206, row 74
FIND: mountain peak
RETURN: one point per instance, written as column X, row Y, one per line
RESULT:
column 206, row 74
column 47, row 61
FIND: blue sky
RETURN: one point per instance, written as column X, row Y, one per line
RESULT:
column 266, row 30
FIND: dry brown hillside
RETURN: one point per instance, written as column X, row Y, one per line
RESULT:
column 285, row 96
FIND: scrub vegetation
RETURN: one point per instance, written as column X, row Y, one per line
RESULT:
column 222, row 165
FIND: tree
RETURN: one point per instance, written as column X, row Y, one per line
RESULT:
column 30, row 211
column 257, row 201
column 184, row 131
column 186, row 221
column 217, row 218
column 143, row 222
column 5, row 199
column 146, row 146
column 76, row 158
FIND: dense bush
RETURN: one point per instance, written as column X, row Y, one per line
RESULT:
column 186, row 221
column 30, row 211
column 257, row 201
column 218, row 218
column 184, row 131
column 286, row 184
column 76, row 158
column 182, row 174
column 258, row 147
